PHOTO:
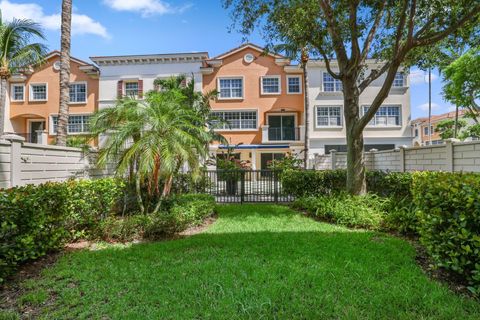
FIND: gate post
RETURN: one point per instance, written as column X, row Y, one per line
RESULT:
column 275, row 188
column 242, row 186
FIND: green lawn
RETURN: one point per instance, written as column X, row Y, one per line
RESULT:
column 255, row 262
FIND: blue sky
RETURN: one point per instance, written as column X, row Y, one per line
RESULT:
column 114, row 27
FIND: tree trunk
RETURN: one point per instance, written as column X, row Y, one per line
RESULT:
column 138, row 190
column 307, row 107
column 3, row 103
column 64, row 73
column 356, row 182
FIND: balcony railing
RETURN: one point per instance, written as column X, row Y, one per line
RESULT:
column 279, row 134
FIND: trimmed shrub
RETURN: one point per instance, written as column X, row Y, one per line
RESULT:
column 449, row 221
column 187, row 210
column 350, row 211
column 123, row 229
column 38, row 219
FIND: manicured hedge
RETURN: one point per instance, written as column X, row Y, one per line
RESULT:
column 449, row 221
column 37, row 219
column 301, row 183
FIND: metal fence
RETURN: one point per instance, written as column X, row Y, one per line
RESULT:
column 239, row 186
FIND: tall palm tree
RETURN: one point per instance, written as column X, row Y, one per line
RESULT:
column 62, row 128
column 17, row 52
column 295, row 51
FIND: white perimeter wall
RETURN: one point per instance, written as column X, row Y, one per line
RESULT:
column 452, row 157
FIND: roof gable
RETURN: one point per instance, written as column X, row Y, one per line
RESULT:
column 245, row 46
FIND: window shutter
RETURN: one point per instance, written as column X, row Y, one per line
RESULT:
column 140, row 88
column 119, row 89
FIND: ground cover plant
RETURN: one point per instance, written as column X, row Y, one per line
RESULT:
column 254, row 262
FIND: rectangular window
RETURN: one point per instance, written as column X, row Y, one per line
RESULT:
column 330, row 116
column 386, row 116
column 416, row 133
column 236, row 120
column 271, row 85
column 18, row 92
column 76, row 123
column 78, row 92
column 38, row 92
column 399, row 80
column 230, row 88
column 131, row 88
column 294, row 84
column 425, row 131
column 330, row 84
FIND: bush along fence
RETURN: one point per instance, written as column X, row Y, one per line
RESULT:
column 442, row 208
column 453, row 156
column 36, row 219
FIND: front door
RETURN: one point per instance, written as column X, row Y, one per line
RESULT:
column 33, row 128
column 281, row 128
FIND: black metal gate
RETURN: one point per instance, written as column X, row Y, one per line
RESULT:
column 239, row 186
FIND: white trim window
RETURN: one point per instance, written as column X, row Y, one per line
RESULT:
column 77, row 124
column 38, row 92
column 294, row 84
column 386, row 116
column 235, row 120
column 329, row 116
column 230, row 88
column 399, row 80
column 17, row 92
column 78, row 92
column 331, row 84
column 131, row 88
column 271, row 85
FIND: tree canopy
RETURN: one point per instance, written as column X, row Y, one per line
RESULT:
column 360, row 41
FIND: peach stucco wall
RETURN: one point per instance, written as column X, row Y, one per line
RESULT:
column 234, row 65
column 21, row 112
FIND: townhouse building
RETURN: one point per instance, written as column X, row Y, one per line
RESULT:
column 260, row 98
column 33, row 99
column 390, row 128
column 424, row 136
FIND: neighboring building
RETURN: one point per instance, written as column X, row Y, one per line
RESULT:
column 421, row 132
column 390, row 128
column 33, row 99
column 260, row 96
column 133, row 75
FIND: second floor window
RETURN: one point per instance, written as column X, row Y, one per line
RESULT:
column 18, row 92
column 271, row 85
column 330, row 84
column 294, row 85
column 230, row 88
column 398, row 81
column 236, row 120
column 386, row 116
column 131, row 88
column 38, row 92
column 78, row 92
column 76, row 123
column 330, row 116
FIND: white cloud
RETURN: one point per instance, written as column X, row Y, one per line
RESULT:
column 418, row 76
column 81, row 24
column 145, row 7
column 424, row 107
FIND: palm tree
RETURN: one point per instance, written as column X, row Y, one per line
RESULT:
column 17, row 53
column 66, row 27
column 300, row 52
column 154, row 138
